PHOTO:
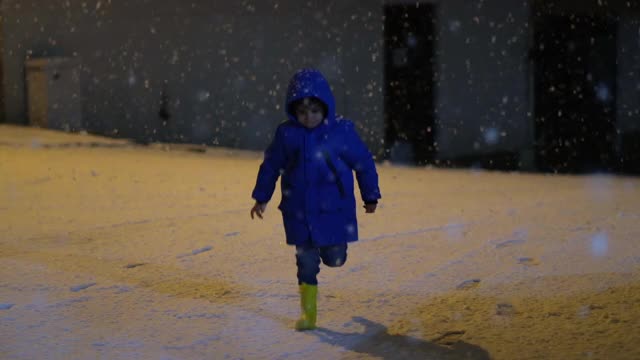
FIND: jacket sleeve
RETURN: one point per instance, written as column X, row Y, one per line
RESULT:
column 270, row 169
column 356, row 154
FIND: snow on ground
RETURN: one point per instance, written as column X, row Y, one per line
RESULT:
column 115, row 251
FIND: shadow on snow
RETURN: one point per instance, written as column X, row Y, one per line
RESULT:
column 376, row 341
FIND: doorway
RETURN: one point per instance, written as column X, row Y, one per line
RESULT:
column 575, row 93
column 409, row 83
column 2, row 109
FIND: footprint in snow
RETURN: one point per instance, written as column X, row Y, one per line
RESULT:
column 505, row 309
column 528, row 261
column 468, row 284
column 81, row 287
column 449, row 337
column 196, row 252
column 134, row 265
column 509, row 243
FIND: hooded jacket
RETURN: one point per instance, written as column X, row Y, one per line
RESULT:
column 316, row 168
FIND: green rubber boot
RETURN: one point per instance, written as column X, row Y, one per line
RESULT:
column 308, row 296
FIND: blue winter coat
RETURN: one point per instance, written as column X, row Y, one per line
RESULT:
column 318, row 204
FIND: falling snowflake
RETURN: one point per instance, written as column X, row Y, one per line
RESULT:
column 599, row 244
column 602, row 92
column 454, row 25
column 351, row 228
column 203, row 95
column 132, row 78
column 491, row 136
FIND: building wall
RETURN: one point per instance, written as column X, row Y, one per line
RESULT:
column 483, row 97
column 627, row 15
column 221, row 68
column 2, row 100
column 628, row 75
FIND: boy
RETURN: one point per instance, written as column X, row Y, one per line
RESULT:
column 316, row 153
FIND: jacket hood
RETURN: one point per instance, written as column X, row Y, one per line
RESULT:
column 310, row 83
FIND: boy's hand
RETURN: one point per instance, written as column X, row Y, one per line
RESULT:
column 370, row 208
column 258, row 209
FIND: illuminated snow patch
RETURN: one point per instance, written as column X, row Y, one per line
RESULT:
column 600, row 187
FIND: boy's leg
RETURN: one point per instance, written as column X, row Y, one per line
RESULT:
column 308, row 261
column 334, row 256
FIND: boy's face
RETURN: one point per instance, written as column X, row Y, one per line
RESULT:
column 309, row 113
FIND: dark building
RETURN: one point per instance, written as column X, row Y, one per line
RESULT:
column 528, row 85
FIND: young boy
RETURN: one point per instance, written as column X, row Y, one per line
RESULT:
column 316, row 153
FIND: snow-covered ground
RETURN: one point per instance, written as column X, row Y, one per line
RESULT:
column 114, row 251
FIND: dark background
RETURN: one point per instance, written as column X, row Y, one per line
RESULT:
column 550, row 86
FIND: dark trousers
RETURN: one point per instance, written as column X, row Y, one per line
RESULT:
column 308, row 260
